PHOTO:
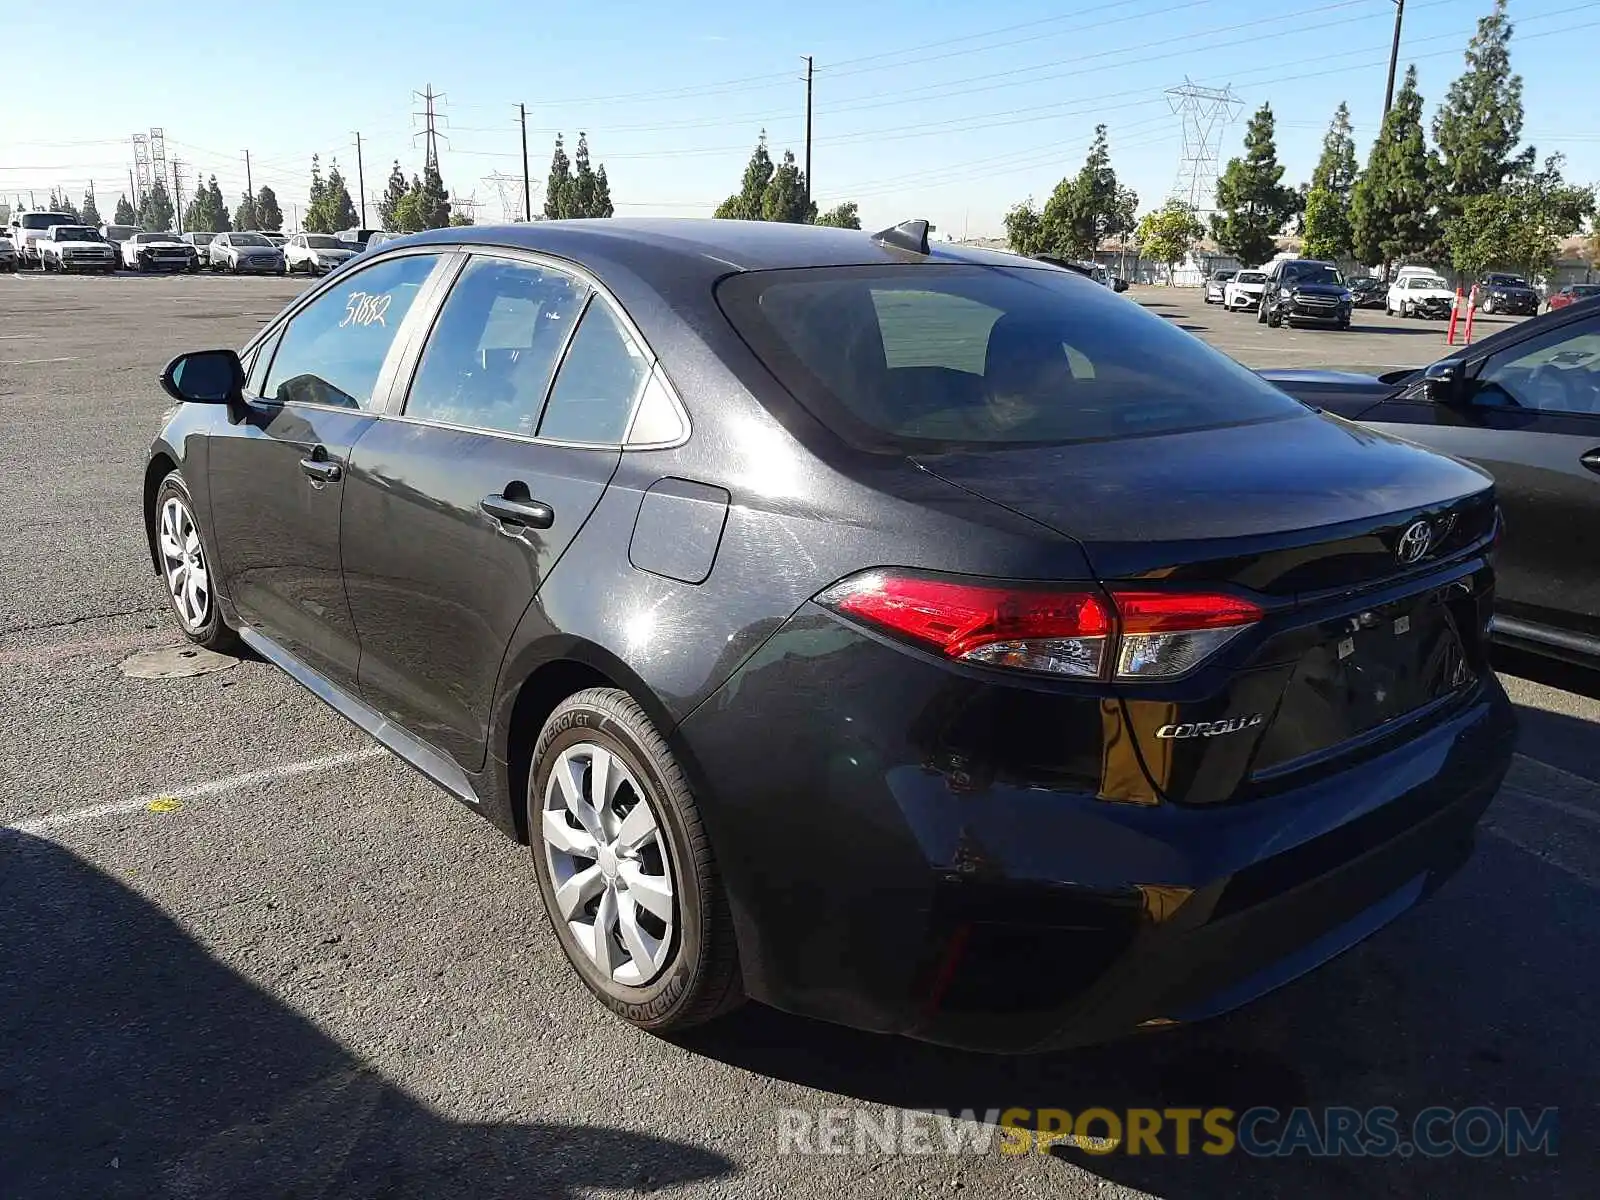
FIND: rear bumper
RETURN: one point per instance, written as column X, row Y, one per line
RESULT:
column 883, row 877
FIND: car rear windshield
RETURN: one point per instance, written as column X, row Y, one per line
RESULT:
column 44, row 220
column 898, row 357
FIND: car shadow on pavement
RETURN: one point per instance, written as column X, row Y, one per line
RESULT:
column 1482, row 996
column 134, row 1064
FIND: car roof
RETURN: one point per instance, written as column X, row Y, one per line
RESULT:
column 647, row 245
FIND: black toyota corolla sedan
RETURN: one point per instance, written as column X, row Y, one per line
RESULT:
column 916, row 638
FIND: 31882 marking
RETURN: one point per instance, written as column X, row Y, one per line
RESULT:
column 363, row 308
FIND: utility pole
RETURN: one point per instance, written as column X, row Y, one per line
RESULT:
column 295, row 209
column 361, row 181
column 810, row 70
column 527, row 184
column 249, row 181
column 177, row 195
column 1394, row 54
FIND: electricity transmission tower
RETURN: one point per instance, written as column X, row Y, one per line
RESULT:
column 158, row 156
column 141, row 169
column 1207, row 113
column 431, row 117
column 510, row 190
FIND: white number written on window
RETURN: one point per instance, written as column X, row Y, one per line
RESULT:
column 363, row 308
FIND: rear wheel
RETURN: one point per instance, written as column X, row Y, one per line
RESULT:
column 625, row 867
column 185, row 568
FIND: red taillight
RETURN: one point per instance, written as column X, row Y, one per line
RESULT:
column 1047, row 630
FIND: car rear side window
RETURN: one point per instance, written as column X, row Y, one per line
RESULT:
column 333, row 349
column 598, row 382
column 488, row 361
column 899, row 356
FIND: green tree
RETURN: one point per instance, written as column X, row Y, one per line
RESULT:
column 1327, row 204
column 560, row 183
column 746, row 203
column 218, row 208
column 393, row 194
column 1479, row 125
column 1392, row 214
column 197, row 213
column 59, row 203
column 1254, row 203
column 1082, row 211
column 588, row 194
column 434, row 202
column 316, row 219
column 90, row 213
column 1521, row 224
column 1168, row 233
column 1025, row 228
column 785, row 197
column 461, row 218
column 841, row 216
column 124, row 214
column 244, row 217
column 155, row 211
column 409, row 214
column 1124, row 214
column 340, row 209
column 267, row 210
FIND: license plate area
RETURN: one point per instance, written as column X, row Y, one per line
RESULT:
column 1371, row 668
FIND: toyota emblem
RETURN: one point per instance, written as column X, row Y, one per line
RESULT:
column 1414, row 542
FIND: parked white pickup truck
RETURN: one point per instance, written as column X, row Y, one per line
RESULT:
column 76, row 248
column 28, row 227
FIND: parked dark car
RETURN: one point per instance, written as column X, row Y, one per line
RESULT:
column 1302, row 291
column 1366, row 292
column 919, row 638
column 1524, row 404
column 1499, row 292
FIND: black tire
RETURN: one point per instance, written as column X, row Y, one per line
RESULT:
column 701, row 979
column 213, row 633
column 1274, row 319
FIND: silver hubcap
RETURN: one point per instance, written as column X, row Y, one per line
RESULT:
column 184, row 563
column 608, row 864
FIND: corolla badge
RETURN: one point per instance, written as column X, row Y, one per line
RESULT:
column 1414, row 542
column 1194, row 729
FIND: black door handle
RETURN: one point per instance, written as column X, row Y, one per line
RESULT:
column 1591, row 459
column 320, row 470
column 533, row 514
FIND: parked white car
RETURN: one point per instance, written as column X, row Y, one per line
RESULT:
column 29, row 228
column 1419, row 296
column 156, row 252
column 75, row 248
column 1244, row 290
column 317, row 253
column 1216, row 289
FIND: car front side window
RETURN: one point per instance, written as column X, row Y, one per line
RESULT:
column 1559, row 372
column 332, row 350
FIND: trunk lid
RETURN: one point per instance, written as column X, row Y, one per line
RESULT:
column 1309, row 516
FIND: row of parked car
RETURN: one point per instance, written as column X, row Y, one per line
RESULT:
column 60, row 242
column 1304, row 291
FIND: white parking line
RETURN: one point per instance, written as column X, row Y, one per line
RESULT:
column 197, row 791
column 28, row 362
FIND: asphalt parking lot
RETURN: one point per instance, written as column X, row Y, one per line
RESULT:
column 243, row 953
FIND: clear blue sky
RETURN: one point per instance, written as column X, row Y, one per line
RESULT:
column 952, row 112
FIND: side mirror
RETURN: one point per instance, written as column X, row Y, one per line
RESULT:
column 205, row 377
column 1443, row 383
